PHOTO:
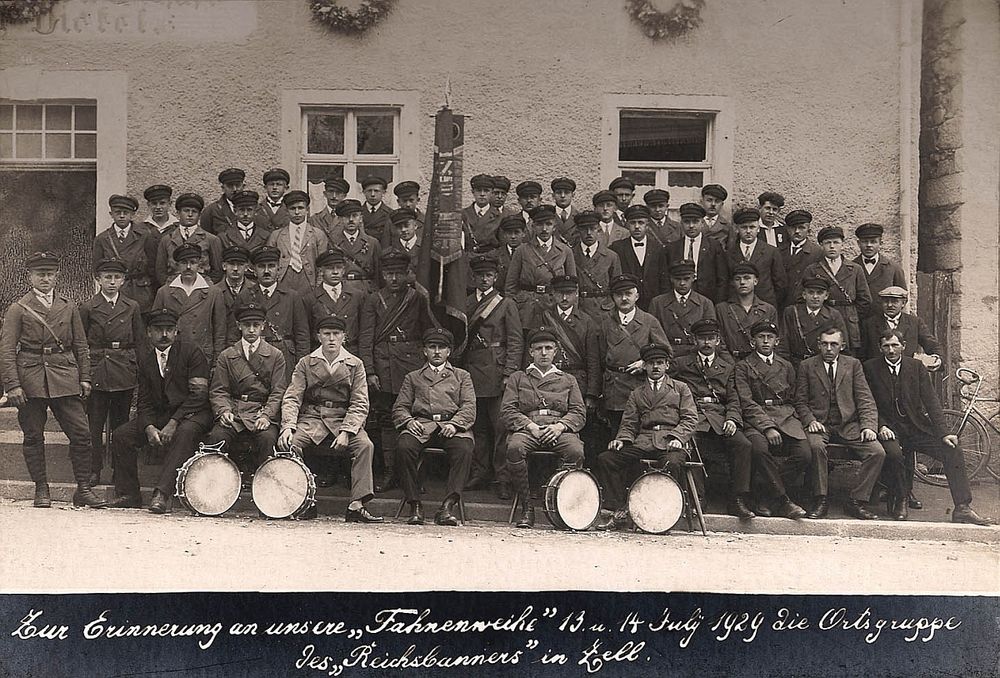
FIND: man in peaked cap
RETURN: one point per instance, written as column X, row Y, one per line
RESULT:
column 374, row 211
column 640, row 255
column 880, row 272
column 679, row 308
column 405, row 237
column 610, row 225
column 596, row 265
column 743, row 310
column 536, row 262
column 624, row 190
column 220, row 214
column 662, row 228
column 801, row 252
column 563, row 189
column 249, row 232
column 710, row 260
column 805, row 320
column 511, row 234
column 481, row 219
column 501, row 187
column 529, row 196
column 335, row 190
column 849, row 291
column 299, row 244
column 271, row 214
column 45, row 364
column 333, row 297
column 157, row 199
column 408, row 196
column 362, row 252
column 717, row 227
column 236, row 264
column 126, row 241
column 189, row 206
column 770, row 228
column 749, row 246
column 919, row 342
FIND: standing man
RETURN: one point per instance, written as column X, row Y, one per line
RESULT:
column 916, row 335
column 879, row 271
column 769, row 226
column 611, row 228
column 362, row 252
column 529, row 196
column 711, row 265
column 835, row 404
column 335, row 191
column 221, row 214
column 172, row 412
column 45, row 364
column 543, row 409
column 189, row 206
column 717, row 227
column 436, row 406
column 159, row 222
column 801, row 253
column 563, row 189
column 640, row 256
column 662, row 228
column 375, row 212
column 624, row 190
column 510, row 234
column 235, row 262
column 299, row 245
column 272, row 214
column 125, row 242
column 327, row 400
column 743, row 311
column 536, row 262
column 680, row 308
column 407, row 197
column 404, row 233
column 332, row 297
column 501, row 187
column 493, row 353
column 751, row 247
column 596, row 265
column 481, row 219
column 247, row 233
column 804, row 321
column 849, row 291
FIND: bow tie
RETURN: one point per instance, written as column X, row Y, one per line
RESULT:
column 638, row 244
column 275, row 205
column 870, row 262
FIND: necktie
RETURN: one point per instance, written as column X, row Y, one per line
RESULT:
column 638, row 244
column 565, row 215
column 274, row 205
column 295, row 256
column 161, row 359
column 335, row 293
column 656, row 386
column 566, row 315
column 746, row 251
column 829, row 371
column 251, row 351
column 267, row 293
column 690, row 250
column 371, row 208
column 46, row 301
column 545, row 248
column 767, row 360
column 795, row 249
column 891, row 322
column 185, row 233
column 247, row 234
column 350, row 239
column 706, row 364
column 589, row 252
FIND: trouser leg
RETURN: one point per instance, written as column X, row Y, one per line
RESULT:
column 97, row 414
column 569, row 447
column 264, row 443
column 893, row 474
column 872, row 459
column 795, row 466
column 953, row 461
column 518, row 446
column 387, row 432
column 765, row 466
column 460, row 454
column 611, row 466
column 489, row 452
column 118, row 411
column 820, row 463
column 182, row 447
column 362, row 451
column 126, row 440
column 72, row 417
column 408, row 453
column 31, row 417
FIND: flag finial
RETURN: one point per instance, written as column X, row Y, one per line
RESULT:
column 447, row 93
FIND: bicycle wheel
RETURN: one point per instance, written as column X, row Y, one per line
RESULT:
column 975, row 444
column 993, row 463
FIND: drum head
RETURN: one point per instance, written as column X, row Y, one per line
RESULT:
column 578, row 499
column 211, row 485
column 655, row 502
column 280, row 487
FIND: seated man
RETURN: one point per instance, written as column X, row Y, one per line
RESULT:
column 543, row 409
column 659, row 419
column 910, row 417
column 328, row 398
column 247, row 385
column 436, row 406
column 172, row 412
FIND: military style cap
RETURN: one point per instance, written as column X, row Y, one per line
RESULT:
column 189, row 200
column 657, row 195
column 692, row 210
column 637, row 212
column 111, row 266
column 373, row 180
column 236, row 253
column 715, row 190
column 585, row 219
column 604, row 196
column 228, row 176
column 816, row 283
column 542, row 334
column 276, row 174
column 682, row 268
column 405, row 188
column 338, row 184
column 653, row 351
column 894, row 292
column 830, row 232
column 705, row 326
column 775, row 199
column 764, row 326
column 439, row 335
column 746, row 215
column 250, row 312
column 293, row 197
column 395, row 260
column 125, row 201
column 331, row 257
column 157, row 191
column 402, row 215
column 44, row 259
column 623, row 282
column 501, row 183
column 563, row 184
column 161, row 317
column 264, row 254
column 796, row 217
column 621, row 182
column 743, row 268
column 245, row 199
column 564, row 283
column 348, row 207
column 483, row 262
column 528, row 188
column 332, row 322
column 482, row 181
column 511, row 221
column 869, row 231
column 186, row 251
column 543, row 212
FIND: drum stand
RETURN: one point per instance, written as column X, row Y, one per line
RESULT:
column 689, row 470
column 420, row 468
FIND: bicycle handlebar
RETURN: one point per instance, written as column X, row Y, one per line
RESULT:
column 967, row 376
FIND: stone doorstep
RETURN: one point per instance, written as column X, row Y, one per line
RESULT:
column 334, row 507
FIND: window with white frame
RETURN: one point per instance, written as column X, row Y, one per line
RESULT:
column 49, row 132
column 666, row 149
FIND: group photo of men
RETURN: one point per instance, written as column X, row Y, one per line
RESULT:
column 600, row 331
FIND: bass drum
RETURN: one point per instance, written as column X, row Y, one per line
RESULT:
column 572, row 499
column 283, row 487
column 655, row 502
column 208, row 483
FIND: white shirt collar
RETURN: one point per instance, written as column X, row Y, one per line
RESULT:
column 121, row 232
column 480, row 294
column 711, row 358
column 876, row 258
column 653, row 383
column 163, row 355
column 199, row 283
column 765, row 358
column 245, row 227
column 481, row 211
column 544, row 245
column 638, row 242
column 330, row 289
column 440, row 368
column 409, row 244
column 894, row 366
column 711, row 220
column 352, row 236
column 568, row 312
column 269, row 290
column 552, row 369
column 45, row 297
column 111, row 300
column 626, row 318
column 812, row 312
column 249, row 348
column 373, row 208
column 340, row 357
column 682, row 297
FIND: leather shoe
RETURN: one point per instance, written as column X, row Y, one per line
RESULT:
column 310, row 513
column 84, row 496
column 124, row 501
column 820, row 510
column 899, row 510
column 618, row 520
column 160, row 503
column 856, row 509
column 527, row 518
column 444, row 516
column 416, row 514
column 763, row 510
column 42, row 499
column 503, row 491
column 789, row 509
column 963, row 513
column 738, row 508
column 361, row 515
column 914, row 503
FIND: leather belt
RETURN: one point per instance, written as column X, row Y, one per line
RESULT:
column 356, row 276
column 623, row 370
column 589, row 295
column 397, row 338
column 331, row 404
column 537, row 289
column 47, row 350
column 116, row 345
column 251, row 399
column 707, row 399
column 658, row 427
column 545, row 412
column 774, row 401
column 842, row 302
column 681, row 340
column 438, row 417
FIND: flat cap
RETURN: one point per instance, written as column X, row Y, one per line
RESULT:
column 830, row 232
column 816, row 283
column 564, row 283
column 483, row 181
column 245, row 199
column 111, row 265
column 126, row 201
column 338, row 184
column 439, row 335
column 160, row 316
column 250, row 312
column 501, row 183
column 236, row 253
column 681, row 269
column 586, row 219
column 604, row 196
column 744, row 268
column 746, row 215
column 623, row 282
column 542, row 334
column 395, row 260
column 276, row 174
column 404, row 188
column 483, row 262
column 157, row 191
column 764, row 326
column 869, row 231
column 715, row 190
column 44, row 259
column 228, row 176
column 189, row 200
column 402, row 215
column 657, row 195
column 293, row 197
column 348, row 207
column 654, row 351
column 543, row 212
column 775, row 199
column 637, row 212
column 511, row 221
column 563, row 184
column 691, row 210
column 528, row 188
column 705, row 326
column 372, row 180
column 331, row 257
column 621, row 182
column 264, row 254
column 796, row 217
column 187, row 250
column 332, row 322
column 894, row 292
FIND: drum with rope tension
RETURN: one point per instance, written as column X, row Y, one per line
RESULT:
column 208, row 483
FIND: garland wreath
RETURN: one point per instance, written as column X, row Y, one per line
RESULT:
column 685, row 16
column 23, row 11
column 352, row 22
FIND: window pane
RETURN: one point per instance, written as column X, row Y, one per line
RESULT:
column 375, row 134
column 382, row 171
column 29, row 117
column 58, row 117
column 315, row 174
column 86, row 146
column 689, row 179
column 6, row 145
column 325, row 133
column 662, row 137
column 86, row 118
column 641, row 177
column 58, row 146
column 6, row 116
column 29, row 145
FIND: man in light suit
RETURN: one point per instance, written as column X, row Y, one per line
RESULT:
column 480, row 220
column 299, row 245
column 710, row 261
column 713, row 196
column 639, row 255
column 563, row 189
column 749, row 246
column 610, row 226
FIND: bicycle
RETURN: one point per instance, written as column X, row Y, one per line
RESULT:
column 970, row 425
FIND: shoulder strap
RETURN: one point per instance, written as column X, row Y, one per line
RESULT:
column 40, row 319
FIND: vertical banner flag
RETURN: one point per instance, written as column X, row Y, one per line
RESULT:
column 440, row 268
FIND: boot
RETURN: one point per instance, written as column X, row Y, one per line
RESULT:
column 445, row 516
column 416, row 514
column 618, row 520
column 95, row 479
column 161, row 502
column 527, row 518
column 84, row 496
column 789, row 509
column 963, row 513
column 738, row 508
column 913, row 502
column 857, row 509
column 821, row 508
column 42, row 499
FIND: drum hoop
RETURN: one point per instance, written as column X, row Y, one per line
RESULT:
column 185, row 468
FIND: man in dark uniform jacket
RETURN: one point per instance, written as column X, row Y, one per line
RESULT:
column 743, row 311
column 220, row 214
column 501, row 187
column 800, row 253
column 362, row 252
column 332, row 297
column 247, row 232
column 910, row 417
column 624, row 190
column 529, row 196
column 543, row 409
column 375, row 212
column 188, row 206
column 480, row 220
column 680, row 307
column 662, row 229
column 126, row 241
column 159, row 222
column 172, row 412
column 271, row 214
column 113, row 325
column 917, row 337
column 849, row 291
column 640, row 255
column 335, row 190
column 879, row 271
column 436, row 406
column 536, row 262
column 511, row 235
column 710, row 260
column 235, row 262
column 596, row 266
column 748, row 246
column 805, row 320
column 717, row 227
column 408, row 197
column 404, row 234
column 45, row 364
column 769, row 226
column 248, row 383
column 563, row 189
column 492, row 353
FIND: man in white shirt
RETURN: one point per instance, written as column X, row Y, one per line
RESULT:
column 770, row 229
column 713, row 196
